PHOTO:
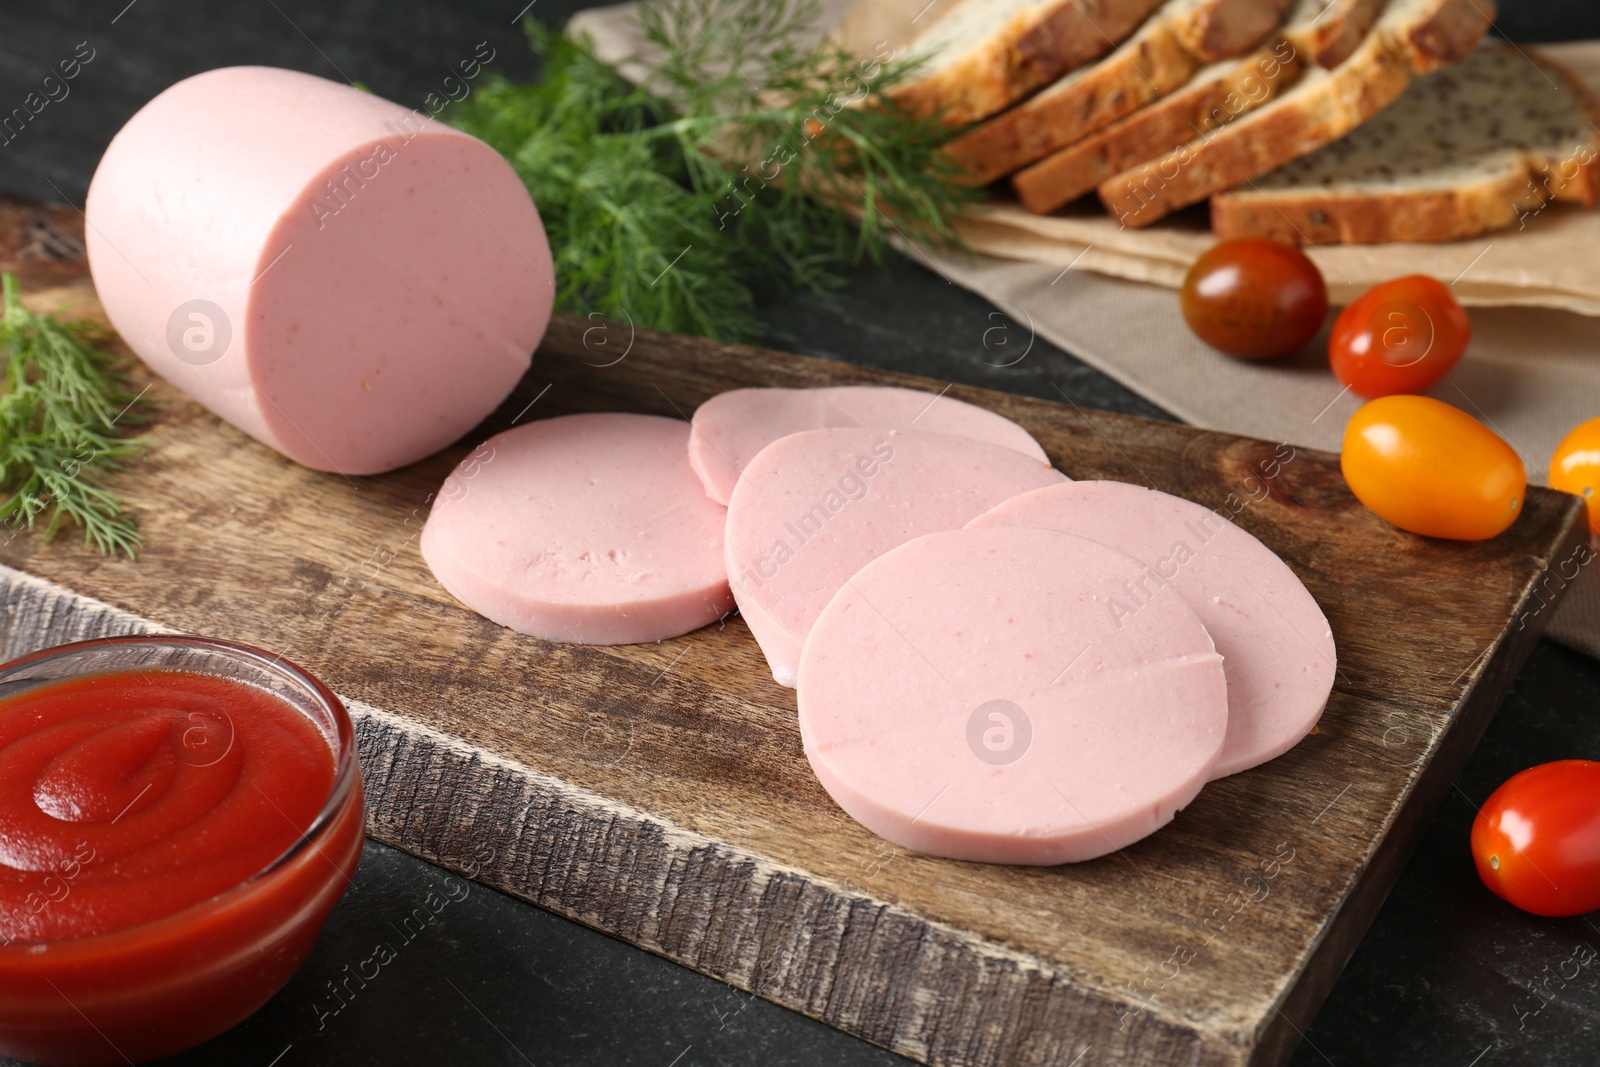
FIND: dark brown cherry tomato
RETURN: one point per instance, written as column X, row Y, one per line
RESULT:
column 1255, row 299
column 1399, row 337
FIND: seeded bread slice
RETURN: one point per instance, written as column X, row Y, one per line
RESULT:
column 1482, row 145
column 1216, row 95
column 1163, row 55
column 1410, row 37
column 983, row 55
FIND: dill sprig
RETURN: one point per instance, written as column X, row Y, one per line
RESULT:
column 63, row 401
column 729, row 170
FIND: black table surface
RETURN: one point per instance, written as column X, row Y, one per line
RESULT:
column 1448, row 975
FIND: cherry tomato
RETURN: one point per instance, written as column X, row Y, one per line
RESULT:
column 1254, row 299
column 1431, row 469
column 1575, row 468
column 1536, row 840
column 1399, row 337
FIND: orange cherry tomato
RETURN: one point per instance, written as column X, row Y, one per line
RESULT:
column 1399, row 337
column 1254, row 299
column 1575, row 468
column 1536, row 840
column 1431, row 469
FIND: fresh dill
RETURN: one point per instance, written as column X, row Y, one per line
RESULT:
column 745, row 161
column 63, row 402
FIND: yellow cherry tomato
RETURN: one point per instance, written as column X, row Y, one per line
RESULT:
column 1575, row 468
column 1432, row 469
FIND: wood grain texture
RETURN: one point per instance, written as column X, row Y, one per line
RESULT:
column 659, row 792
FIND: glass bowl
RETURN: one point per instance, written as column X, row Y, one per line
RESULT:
column 165, row 985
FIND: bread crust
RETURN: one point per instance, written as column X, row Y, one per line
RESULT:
column 1450, row 34
column 1573, row 179
column 1339, row 31
column 1421, row 216
column 1149, row 66
column 1031, row 51
column 1325, row 107
column 1222, row 30
column 1157, row 60
column 1267, row 139
column 1176, row 119
column 1323, row 216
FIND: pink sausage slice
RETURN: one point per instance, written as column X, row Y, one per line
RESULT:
column 585, row 528
column 968, row 695
column 732, row 427
column 350, row 282
column 1275, row 641
column 813, row 507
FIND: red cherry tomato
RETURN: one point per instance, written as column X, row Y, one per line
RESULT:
column 1399, row 337
column 1575, row 468
column 1254, row 299
column 1536, row 840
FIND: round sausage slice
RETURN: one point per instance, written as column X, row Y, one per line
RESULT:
column 813, row 507
column 350, row 282
column 972, row 695
column 1274, row 639
column 731, row 428
column 586, row 528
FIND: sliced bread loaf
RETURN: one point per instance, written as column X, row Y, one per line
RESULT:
column 1216, row 95
column 1410, row 37
column 1161, row 56
column 983, row 55
column 1470, row 148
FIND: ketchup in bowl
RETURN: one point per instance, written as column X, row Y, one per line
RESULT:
column 177, row 817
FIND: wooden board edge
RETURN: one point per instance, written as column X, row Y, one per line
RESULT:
column 880, row 972
column 1487, row 687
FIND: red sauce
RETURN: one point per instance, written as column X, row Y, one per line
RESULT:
column 171, row 841
column 127, row 797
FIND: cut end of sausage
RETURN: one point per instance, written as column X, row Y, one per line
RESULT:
column 732, row 428
column 583, row 528
column 352, row 283
column 455, row 287
column 1276, row 644
column 972, row 694
column 813, row 507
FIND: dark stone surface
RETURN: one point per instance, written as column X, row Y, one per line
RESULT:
column 492, row 980
column 1448, row 976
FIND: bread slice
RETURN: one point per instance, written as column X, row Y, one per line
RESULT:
column 1225, row 29
column 1409, row 38
column 1467, row 149
column 1162, row 56
column 1216, row 95
column 1338, row 28
column 984, row 55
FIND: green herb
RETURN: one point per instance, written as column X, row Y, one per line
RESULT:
column 670, row 203
column 62, row 404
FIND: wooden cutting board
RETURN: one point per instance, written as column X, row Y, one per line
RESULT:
column 659, row 792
